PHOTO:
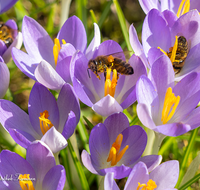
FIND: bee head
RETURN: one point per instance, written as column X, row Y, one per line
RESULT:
column 92, row 65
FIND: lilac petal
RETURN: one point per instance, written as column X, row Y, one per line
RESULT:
column 16, row 43
column 73, row 32
column 5, row 5
column 138, row 174
column 11, row 165
column 136, row 45
column 67, row 102
column 155, row 31
column 40, row 158
column 99, row 144
column 162, row 75
column 144, row 116
column 119, row 171
column 86, row 159
column 188, row 26
column 24, row 62
column 151, row 161
column 55, row 178
column 55, row 140
column 148, row 5
column 109, row 182
column 94, row 43
column 166, row 174
column 20, row 138
column 67, row 50
column 135, row 137
column 13, row 117
column 173, row 129
column 107, row 106
column 170, row 17
column 46, row 75
column 37, row 42
column 153, row 55
column 115, row 124
column 3, row 48
column 4, row 79
column 12, row 24
column 40, row 100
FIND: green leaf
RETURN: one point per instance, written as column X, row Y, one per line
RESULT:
column 88, row 122
column 190, row 182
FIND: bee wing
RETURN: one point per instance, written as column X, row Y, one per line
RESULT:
column 124, row 55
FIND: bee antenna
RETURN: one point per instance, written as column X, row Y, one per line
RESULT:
column 88, row 72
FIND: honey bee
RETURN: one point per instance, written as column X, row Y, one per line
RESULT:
column 181, row 54
column 101, row 63
column 6, row 34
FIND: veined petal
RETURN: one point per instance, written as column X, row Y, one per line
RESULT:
column 46, row 75
column 55, row 140
column 73, row 32
column 109, row 182
column 4, row 79
column 37, row 42
column 148, row 5
column 107, row 106
column 170, row 17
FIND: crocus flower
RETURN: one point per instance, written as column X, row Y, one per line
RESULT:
column 9, row 37
column 49, row 121
column 48, row 62
column 164, row 107
column 110, row 94
column 116, row 147
column 4, row 79
column 176, row 6
column 163, row 177
column 38, row 171
column 161, row 32
column 5, row 5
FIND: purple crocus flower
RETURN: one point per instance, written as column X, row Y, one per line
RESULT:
column 49, row 121
column 163, row 177
column 5, row 5
column 38, row 171
column 116, row 147
column 6, row 45
column 95, row 92
column 162, row 30
column 4, row 79
column 48, row 62
column 172, row 5
column 164, row 107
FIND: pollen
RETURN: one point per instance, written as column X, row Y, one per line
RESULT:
column 151, row 185
column 25, row 182
column 45, row 123
column 170, row 104
column 115, row 155
column 184, row 7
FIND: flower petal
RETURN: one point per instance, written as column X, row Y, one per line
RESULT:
column 5, row 5
column 4, row 79
column 109, row 182
column 148, row 5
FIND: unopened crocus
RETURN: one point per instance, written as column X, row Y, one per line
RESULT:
column 116, row 147
column 46, row 61
column 9, row 37
column 4, row 79
column 160, row 34
column 49, row 121
column 163, row 177
column 38, row 171
column 164, row 107
column 6, row 5
column 107, row 91
column 178, row 7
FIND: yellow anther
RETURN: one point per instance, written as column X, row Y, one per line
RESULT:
column 45, row 123
column 170, row 104
column 162, row 50
column 56, row 49
column 25, row 182
column 151, row 185
column 174, row 49
column 110, row 58
column 184, row 7
column 110, row 86
column 63, row 41
column 114, row 154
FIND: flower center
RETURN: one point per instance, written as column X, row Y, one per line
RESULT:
column 110, row 86
column 45, row 123
column 184, row 7
column 114, row 154
column 151, row 185
column 170, row 104
column 56, row 49
column 25, row 182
